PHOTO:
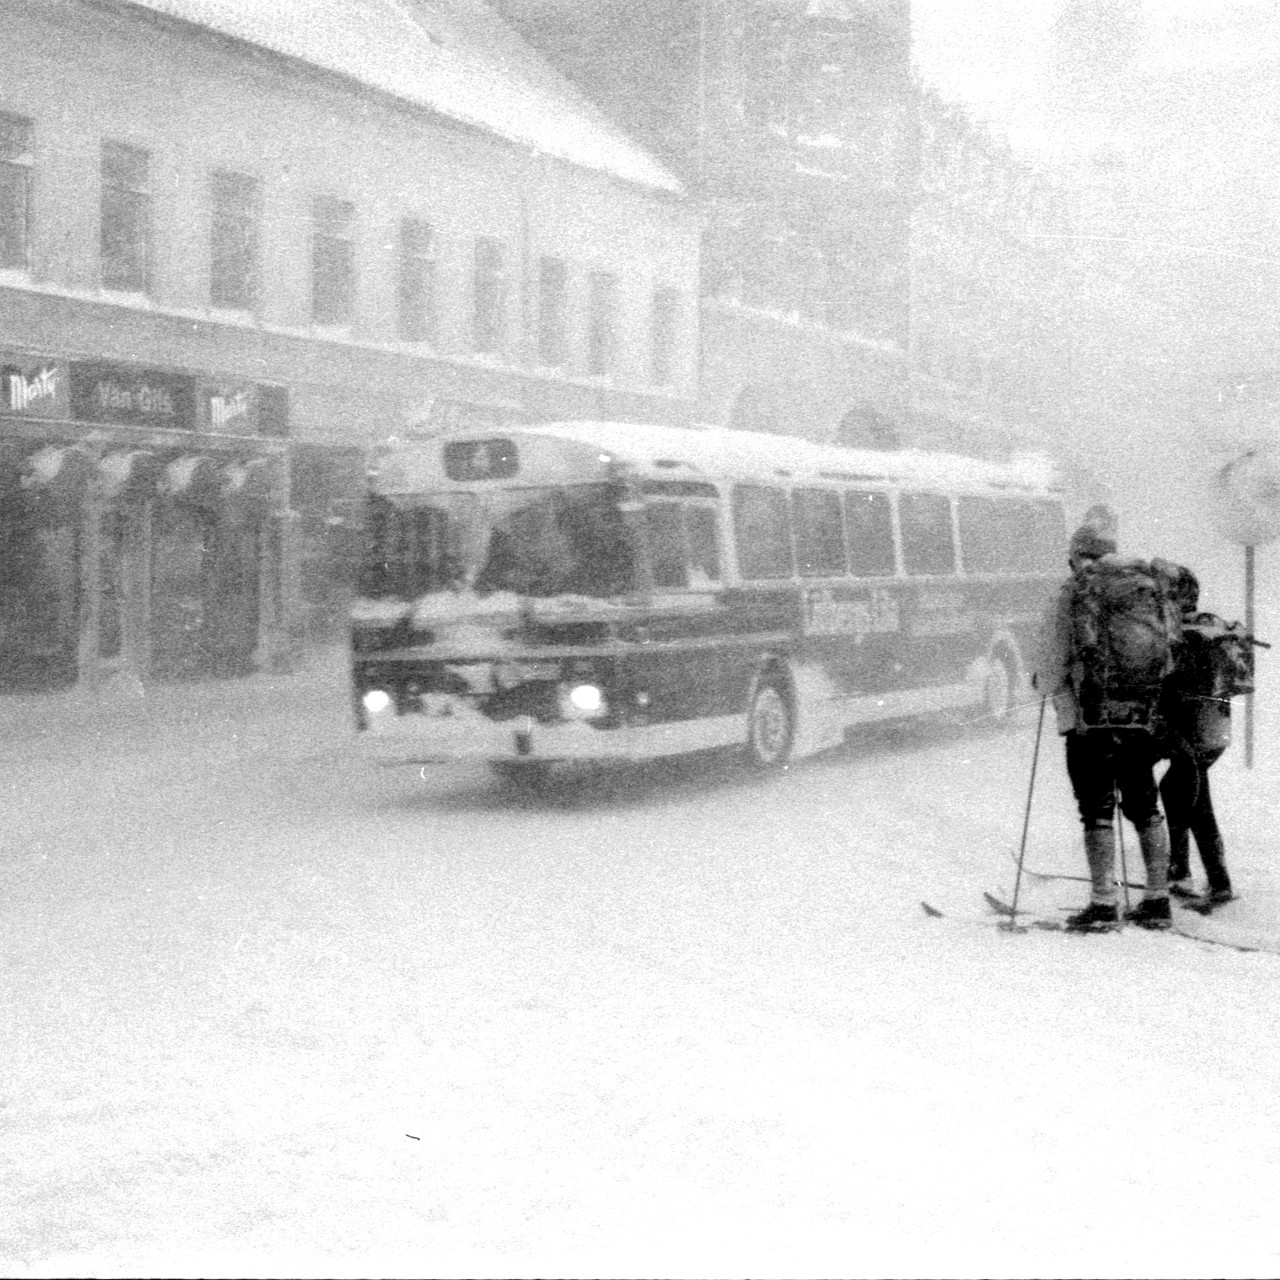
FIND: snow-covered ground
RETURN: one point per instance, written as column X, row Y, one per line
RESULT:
column 270, row 1011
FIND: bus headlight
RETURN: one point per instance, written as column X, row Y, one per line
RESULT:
column 376, row 701
column 581, row 701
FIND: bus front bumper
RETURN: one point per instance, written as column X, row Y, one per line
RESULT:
column 416, row 738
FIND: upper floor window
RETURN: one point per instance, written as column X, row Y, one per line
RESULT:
column 553, row 285
column 488, row 321
column 15, row 190
column 417, row 314
column 333, row 265
column 666, row 322
column 125, row 233
column 233, row 241
column 602, row 322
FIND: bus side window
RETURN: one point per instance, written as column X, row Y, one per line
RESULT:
column 985, row 542
column 869, row 517
column 701, row 530
column 819, row 533
column 927, row 545
column 1049, row 528
column 664, row 531
column 762, row 530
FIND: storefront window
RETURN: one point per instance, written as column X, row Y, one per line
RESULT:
column 111, row 585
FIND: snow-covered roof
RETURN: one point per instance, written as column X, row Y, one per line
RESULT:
column 454, row 57
column 716, row 454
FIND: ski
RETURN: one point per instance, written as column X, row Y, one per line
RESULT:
column 1005, row 911
column 1066, row 875
column 1003, row 920
column 1204, row 905
column 1006, row 921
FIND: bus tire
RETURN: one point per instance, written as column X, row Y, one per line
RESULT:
column 997, row 690
column 525, row 776
column 771, row 724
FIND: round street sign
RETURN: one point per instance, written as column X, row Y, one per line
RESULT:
column 1247, row 497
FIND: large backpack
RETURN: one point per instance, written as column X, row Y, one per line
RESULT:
column 1124, row 632
column 1228, row 669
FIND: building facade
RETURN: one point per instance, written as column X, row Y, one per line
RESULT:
column 241, row 247
column 996, row 292
column 793, row 123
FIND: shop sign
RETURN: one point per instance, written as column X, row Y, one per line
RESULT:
column 33, row 388
column 132, row 396
column 229, row 409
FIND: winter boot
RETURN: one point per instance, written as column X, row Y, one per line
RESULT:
column 1100, row 852
column 1179, row 858
column 1213, row 856
column 1097, row 917
column 1154, row 841
column 1151, row 913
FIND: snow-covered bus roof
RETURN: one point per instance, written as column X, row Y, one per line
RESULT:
column 593, row 450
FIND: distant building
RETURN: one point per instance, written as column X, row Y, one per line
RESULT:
column 995, row 296
column 793, row 122
column 240, row 243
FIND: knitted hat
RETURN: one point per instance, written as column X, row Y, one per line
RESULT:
column 1087, row 543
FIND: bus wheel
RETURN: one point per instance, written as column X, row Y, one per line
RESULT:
column 522, row 775
column 770, row 726
column 997, row 690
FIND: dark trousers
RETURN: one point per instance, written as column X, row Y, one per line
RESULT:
column 1105, row 763
column 1188, row 805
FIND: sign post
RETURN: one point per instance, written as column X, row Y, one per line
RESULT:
column 1248, row 512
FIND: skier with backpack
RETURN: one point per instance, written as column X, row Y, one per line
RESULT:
column 1107, row 645
column 1215, row 663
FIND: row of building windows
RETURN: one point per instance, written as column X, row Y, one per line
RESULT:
column 235, row 258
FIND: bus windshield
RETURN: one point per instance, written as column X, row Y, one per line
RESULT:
column 546, row 541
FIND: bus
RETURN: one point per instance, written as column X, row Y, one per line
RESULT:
column 584, row 591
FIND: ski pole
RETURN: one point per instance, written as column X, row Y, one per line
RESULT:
column 1026, row 817
column 1124, row 865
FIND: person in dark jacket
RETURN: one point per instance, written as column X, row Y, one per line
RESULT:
column 1102, row 764
column 1197, row 730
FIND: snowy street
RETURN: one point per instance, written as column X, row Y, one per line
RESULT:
column 270, row 1010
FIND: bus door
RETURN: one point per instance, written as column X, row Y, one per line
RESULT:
column 939, row 624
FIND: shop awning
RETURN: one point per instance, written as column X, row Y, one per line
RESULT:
column 58, row 471
column 128, row 473
column 250, row 481
column 194, row 477
column 248, row 488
